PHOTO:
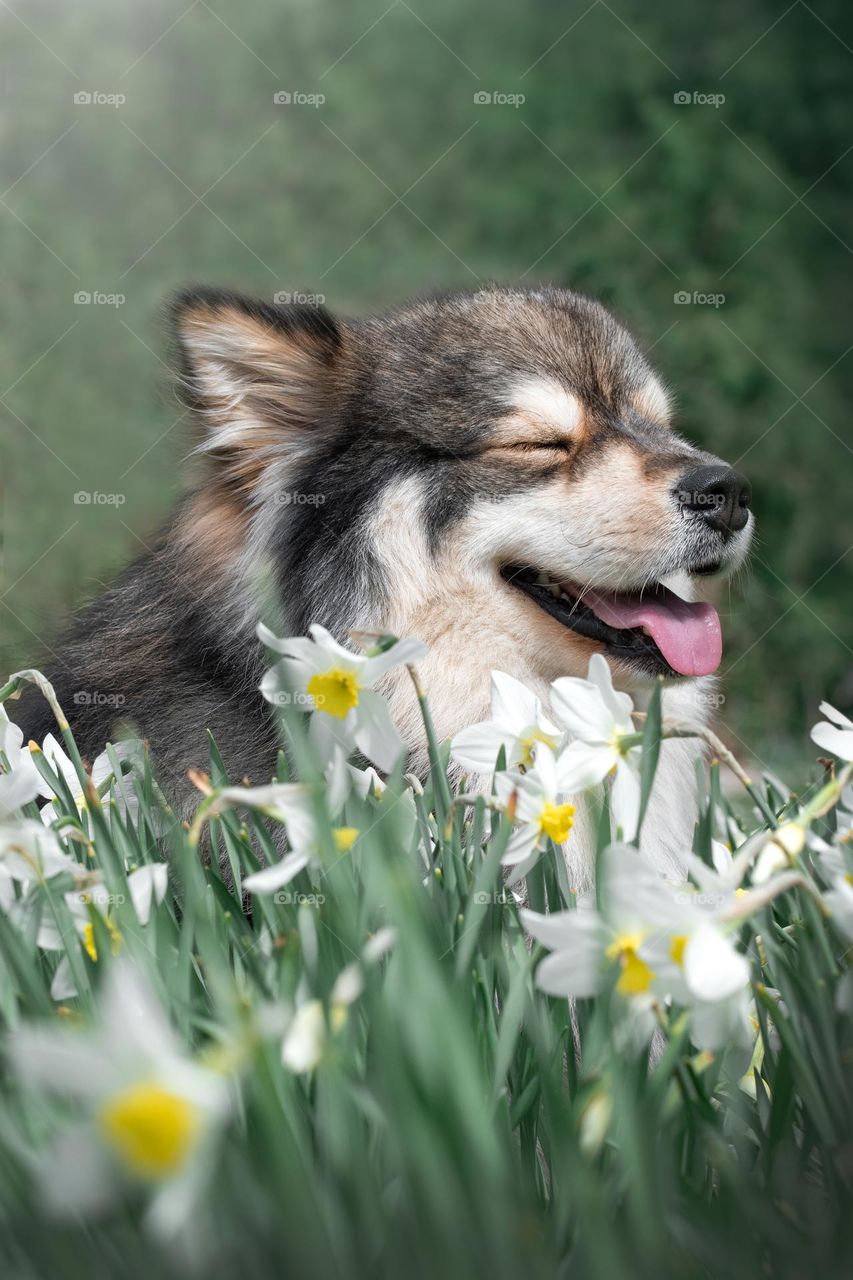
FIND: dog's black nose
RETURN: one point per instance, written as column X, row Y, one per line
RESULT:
column 718, row 493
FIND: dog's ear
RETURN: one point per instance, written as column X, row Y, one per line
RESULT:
column 260, row 377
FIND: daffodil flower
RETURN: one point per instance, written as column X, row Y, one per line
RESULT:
column 780, row 850
column 663, row 946
column 29, row 854
column 517, row 725
column 598, row 719
column 538, row 803
column 120, row 795
column 336, row 684
column 146, row 886
column 150, row 1112
column 834, row 734
column 20, row 780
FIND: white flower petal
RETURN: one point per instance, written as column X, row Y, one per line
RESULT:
column 329, row 647
column 521, row 845
column 618, row 704
column 293, row 646
column 348, row 985
column 63, row 986
column 375, row 732
column 77, row 1177
column 575, row 973
column 566, row 930
column 828, row 710
column 305, row 1038
column 379, row 944
column 476, row 748
column 329, row 735
column 147, row 886
column 721, row 1024
column 581, row 709
column 713, row 969
column 582, row 766
column 19, row 787
column 514, row 706
column 400, row 654
column 55, row 755
column 625, row 799
column 268, row 879
column 838, row 741
column 840, row 903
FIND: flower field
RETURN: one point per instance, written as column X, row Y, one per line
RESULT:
column 344, row 1024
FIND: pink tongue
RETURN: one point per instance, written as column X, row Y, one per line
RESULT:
column 687, row 633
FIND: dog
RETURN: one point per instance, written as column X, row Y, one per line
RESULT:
column 494, row 472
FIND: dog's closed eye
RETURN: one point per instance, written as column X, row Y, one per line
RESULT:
column 555, row 446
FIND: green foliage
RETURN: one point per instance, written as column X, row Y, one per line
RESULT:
column 459, row 1122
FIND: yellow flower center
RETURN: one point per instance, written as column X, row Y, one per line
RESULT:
column 556, row 821
column 335, row 692
column 676, row 949
column 338, row 1015
column 344, row 838
column 527, row 745
column 151, row 1129
column 88, row 938
column 636, row 976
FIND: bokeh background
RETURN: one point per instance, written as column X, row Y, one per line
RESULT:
column 689, row 165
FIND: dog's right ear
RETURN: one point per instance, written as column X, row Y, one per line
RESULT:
column 259, row 376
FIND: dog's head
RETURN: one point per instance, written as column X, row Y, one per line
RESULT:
column 493, row 471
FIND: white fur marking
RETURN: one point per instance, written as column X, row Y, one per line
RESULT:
column 547, row 400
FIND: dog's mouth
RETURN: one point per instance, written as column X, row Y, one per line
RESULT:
column 654, row 630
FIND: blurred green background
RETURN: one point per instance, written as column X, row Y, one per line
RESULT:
column 658, row 150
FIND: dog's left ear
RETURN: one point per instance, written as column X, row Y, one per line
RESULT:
column 260, row 377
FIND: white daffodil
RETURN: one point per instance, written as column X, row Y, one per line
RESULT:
column 146, row 886
column 780, row 850
column 150, row 1113
column 307, row 1034
column 337, row 685
column 585, row 943
column 834, row 734
column 664, row 945
column 305, row 1038
column 20, row 780
column 598, row 718
column 517, row 725
column 121, row 795
column 29, row 854
column 295, row 807
column 537, row 802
